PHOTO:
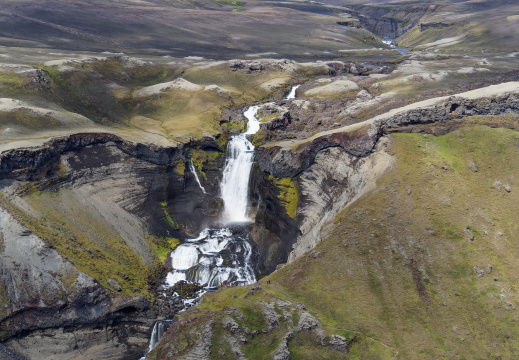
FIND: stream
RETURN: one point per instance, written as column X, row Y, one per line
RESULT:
column 221, row 255
column 390, row 41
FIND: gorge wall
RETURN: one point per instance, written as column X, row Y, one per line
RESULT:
column 333, row 168
column 86, row 222
column 87, row 218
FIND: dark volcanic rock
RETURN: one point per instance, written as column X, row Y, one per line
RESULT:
column 141, row 190
column 168, row 186
column 184, row 289
column 434, row 25
column 286, row 161
column 274, row 231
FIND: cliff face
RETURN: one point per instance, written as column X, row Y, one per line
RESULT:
column 333, row 168
column 84, row 222
column 160, row 185
column 44, row 296
column 390, row 21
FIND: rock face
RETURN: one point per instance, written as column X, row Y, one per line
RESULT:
column 390, row 21
column 161, row 180
column 434, row 25
column 274, row 231
column 67, row 206
column 257, row 66
column 45, row 297
column 290, row 158
column 334, row 180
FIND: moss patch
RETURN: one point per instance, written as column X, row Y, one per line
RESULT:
column 163, row 246
column 288, row 195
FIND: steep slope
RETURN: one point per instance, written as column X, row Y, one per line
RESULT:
column 87, row 222
column 467, row 26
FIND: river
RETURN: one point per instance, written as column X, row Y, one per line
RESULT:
column 390, row 41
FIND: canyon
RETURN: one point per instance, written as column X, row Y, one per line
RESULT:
column 329, row 195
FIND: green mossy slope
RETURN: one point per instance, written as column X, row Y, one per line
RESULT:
column 400, row 266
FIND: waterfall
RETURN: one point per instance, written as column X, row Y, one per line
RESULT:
column 156, row 334
column 192, row 168
column 235, row 181
column 292, row 94
column 223, row 254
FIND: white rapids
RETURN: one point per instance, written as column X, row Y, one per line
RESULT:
column 216, row 257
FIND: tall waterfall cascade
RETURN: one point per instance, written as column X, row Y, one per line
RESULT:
column 235, row 181
column 222, row 255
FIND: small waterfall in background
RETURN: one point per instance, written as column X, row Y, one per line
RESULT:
column 193, row 170
column 221, row 255
column 390, row 41
column 292, row 93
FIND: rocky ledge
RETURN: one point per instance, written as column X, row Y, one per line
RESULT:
column 333, row 168
column 290, row 158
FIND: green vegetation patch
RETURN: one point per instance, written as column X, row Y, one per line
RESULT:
column 163, row 246
column 205, row 160
column 27, row 120
column 123, row 71
column 167, row 217
column 288, row 195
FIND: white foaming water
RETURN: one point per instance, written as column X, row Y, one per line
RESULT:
column 292, row 94
column 389, row 41
column 184, row 257
column 174, row 277
column 192, row 168
column 220, row 256
column 236, row 174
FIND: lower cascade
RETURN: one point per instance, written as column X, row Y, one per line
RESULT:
column 221, row 255
column 156, row 334
column 216, row 256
